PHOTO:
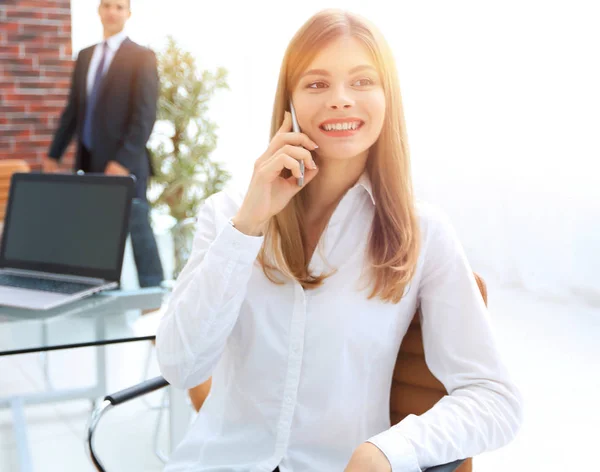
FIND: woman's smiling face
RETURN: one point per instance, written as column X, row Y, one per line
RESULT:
column 339, row 100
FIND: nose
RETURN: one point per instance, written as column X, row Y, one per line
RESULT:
column 339, row 99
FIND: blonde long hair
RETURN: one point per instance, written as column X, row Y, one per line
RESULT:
column 394, row 240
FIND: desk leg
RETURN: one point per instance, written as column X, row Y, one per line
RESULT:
column 101, row 370
column 20, row 429
column 46, row 368
column 100, row 387
column 179, row 415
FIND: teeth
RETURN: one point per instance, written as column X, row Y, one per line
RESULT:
column 341, row 126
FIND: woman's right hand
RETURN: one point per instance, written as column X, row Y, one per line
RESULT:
column 268, row 192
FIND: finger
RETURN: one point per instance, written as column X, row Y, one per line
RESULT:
column 299, row 153
column 282, row 161
column 292, row 181
column 286, row 126
column 309, row 174
column 295, row 139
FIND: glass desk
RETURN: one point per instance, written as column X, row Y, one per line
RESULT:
column 110, row 317
column 106, row 318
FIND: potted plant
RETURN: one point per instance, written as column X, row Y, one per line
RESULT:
column 181, row 144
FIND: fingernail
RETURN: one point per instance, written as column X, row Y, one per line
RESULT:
column 316, row 147
column 314, row 166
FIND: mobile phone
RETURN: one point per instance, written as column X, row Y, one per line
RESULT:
column 296, row 129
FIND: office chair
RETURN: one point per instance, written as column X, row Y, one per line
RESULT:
column 414, row 390
column 7, row 168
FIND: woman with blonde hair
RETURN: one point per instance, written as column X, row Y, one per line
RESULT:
column 297, row 294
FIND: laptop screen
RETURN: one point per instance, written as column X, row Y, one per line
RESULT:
column 67, row 224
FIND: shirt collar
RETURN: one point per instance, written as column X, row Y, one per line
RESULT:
column 364, row 181
column 115, row 41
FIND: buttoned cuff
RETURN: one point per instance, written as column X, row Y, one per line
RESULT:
column 398, row 450
column 233, row 243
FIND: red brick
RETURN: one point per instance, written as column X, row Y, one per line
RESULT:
column 16, row 135
column 46, row 3
column 40, row 135
column 7, row 58
column 33, row 142
column 18, row 37
column 5, row 109
column 9, row 50
column 58, row 16
column 41, row 40
column 42, row 84
column 17, row 14
column 19, row 61
column 48, row 61
column 7, row 87
column 10, row 98
column 52, row 50
column 38, row 30
column 10, row 27
column 26, row 119
column 20, row 71
column 23, row 155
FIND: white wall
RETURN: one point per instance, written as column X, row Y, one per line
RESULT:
column 502, row 102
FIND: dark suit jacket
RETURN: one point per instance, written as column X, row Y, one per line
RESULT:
column 124, row 115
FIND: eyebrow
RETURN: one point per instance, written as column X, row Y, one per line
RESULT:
column 326, row 73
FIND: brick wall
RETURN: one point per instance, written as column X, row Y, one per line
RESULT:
column 35, row 74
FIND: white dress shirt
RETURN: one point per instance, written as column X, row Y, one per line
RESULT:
column 302, row 377
column 113, row 44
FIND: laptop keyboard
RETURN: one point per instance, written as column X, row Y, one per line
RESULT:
column 45, row 285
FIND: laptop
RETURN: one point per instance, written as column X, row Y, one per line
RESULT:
column 64, row 237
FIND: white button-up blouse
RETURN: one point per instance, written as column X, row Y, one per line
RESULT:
column 300, row 378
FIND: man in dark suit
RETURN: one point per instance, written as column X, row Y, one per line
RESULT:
column 112, row 109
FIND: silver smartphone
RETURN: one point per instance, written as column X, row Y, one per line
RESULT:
column 296, row 129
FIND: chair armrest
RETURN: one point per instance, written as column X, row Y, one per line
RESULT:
column 136, row 391
column 113, row 400
column 450, row 467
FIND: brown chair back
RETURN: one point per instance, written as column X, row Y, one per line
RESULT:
column 7, row 168
column 414, row 388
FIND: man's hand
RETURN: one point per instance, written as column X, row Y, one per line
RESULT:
column 368, row 458
column 114, row 168
column 49, row 165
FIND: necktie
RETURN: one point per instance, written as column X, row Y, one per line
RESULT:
column 88, row 123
